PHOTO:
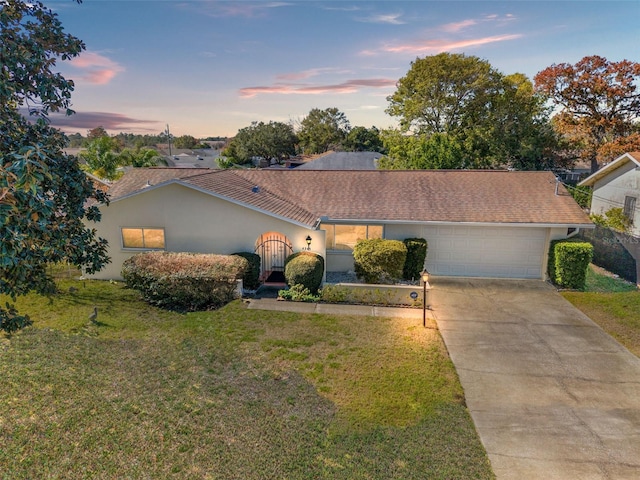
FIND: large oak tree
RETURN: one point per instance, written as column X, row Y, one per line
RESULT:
column 598, row 102
column 474, row 111
column 43, row 192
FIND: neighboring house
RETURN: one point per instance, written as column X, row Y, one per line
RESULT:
column 477, row 223
column 617, row 185
column 344, row 161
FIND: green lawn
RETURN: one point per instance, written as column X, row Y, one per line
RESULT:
column 614, row 305
column 234, row 393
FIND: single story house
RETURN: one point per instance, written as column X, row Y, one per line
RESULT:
column 617, row 185
column 477, row 223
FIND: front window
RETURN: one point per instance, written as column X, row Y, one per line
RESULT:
column 145, row 238
column 345, row 237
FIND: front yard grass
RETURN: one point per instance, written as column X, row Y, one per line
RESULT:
column 614, row 305
column 233, row 393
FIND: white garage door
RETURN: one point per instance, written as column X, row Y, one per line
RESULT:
column 498, row 252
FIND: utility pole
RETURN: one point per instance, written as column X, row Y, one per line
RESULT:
column 168, row 138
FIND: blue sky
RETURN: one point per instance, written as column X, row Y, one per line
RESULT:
column 209, row 68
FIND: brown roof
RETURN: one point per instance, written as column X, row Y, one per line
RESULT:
column 477, row 196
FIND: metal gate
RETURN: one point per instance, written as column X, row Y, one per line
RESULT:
column 273, row 249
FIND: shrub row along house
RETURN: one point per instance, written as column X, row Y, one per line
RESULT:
column 477, row 223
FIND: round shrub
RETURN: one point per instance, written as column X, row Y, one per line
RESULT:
column 304, row 268
column 378, row 260
column 184, row 281
column 251, row 277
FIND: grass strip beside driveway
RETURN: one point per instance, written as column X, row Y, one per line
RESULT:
column 233, row 393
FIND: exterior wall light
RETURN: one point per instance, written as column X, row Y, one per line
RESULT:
column 425, row 281
column 308, row 240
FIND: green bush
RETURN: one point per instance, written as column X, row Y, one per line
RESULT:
column 416, row 255
column 568, row 263
column 251, row 277
column 184, row 281
column 306, row 269
column 379, row 261
column 298, row 293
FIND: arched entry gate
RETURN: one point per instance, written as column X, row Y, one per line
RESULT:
column 273, row 248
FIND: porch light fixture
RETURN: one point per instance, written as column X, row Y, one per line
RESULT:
column 308, row 240
column 425, row 280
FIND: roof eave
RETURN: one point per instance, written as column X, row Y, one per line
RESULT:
column 607, row 169
column 326, row 219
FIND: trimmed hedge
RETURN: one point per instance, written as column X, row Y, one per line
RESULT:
column 184, row 281
column 379, row 261
column 568, row 263
column 416, row 255
column 251, row 277
column 306, row 269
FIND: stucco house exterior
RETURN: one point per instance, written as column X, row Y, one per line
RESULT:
column 477, row 223
column 618, row 185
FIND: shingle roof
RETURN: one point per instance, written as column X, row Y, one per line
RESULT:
column 477, row 196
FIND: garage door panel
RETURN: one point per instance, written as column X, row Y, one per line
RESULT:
column 502, row 252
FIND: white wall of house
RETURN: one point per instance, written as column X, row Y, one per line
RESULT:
column 193, row 222
column 610, row 192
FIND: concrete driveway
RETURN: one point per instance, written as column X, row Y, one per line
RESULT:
column 552, row 396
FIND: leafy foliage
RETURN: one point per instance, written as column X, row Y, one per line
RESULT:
column 598, row 99
column 613, row 218
column 273, row 140
column 462, row 107
column 422, row 152
column 102, row 157
column 323, row 130
column 251, row 277
column 43, row 192
column 184, row 281
column 416, row 255
column 377, row 260
column 298, row 293
column 306, row 269
column 362, row 139
column 185, row 141
column 568, row 263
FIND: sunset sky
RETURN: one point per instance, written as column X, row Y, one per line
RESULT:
column 209, row 68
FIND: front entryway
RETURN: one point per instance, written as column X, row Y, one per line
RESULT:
column 273, row 249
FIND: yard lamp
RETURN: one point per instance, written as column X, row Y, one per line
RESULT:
column 425, row 280
column 308, row 239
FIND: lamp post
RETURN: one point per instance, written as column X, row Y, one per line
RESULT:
column 308, row 240
column 425, row 279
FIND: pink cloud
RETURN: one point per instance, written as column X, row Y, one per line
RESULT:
column 110, row 121
column 446, row 45
column 350, row 86
column 456, row 27
column 95, row 68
